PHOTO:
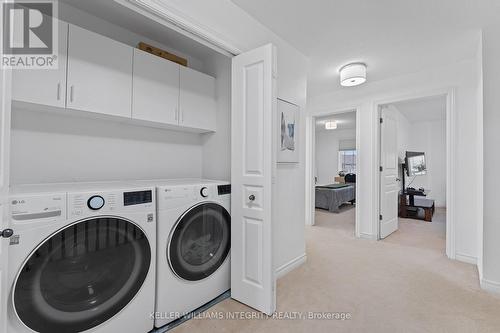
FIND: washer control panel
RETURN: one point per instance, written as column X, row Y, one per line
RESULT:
column 82, row 204
column 38, row 208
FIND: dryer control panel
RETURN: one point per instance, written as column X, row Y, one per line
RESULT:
column 224, row 189
column 175, row 196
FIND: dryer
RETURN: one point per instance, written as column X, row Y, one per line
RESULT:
column 194, row 242
column 82, row 258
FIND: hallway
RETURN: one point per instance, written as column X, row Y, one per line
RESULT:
column 404, row 283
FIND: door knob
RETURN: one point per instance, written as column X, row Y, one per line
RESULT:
column 251, row 198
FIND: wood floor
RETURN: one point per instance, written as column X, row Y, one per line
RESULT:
column 402, row 284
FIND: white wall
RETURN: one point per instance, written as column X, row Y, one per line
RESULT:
column 48, row 147
column 403, row 134
column 480, row 157
column 491, row 104
column 216, row 155
column 430, row 137
column 427, row 136
column 463, row 78
column 327, row 152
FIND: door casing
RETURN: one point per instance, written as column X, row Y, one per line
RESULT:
column 311, row 165
column 451, row 130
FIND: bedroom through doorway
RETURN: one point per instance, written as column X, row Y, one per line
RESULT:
column 415, row 190
column 335, row 172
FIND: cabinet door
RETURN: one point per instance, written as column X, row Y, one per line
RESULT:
column 156, row 89
column 44, row 86
column 197, row 100
column 99, row 74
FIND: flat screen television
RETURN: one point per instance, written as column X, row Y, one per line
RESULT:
column 415, row 163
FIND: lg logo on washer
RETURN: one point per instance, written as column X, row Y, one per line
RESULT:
column 15, row 202
column 22, row 201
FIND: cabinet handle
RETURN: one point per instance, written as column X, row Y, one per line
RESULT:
column 176, row 113
column 182, row 115
column 59, row 91
column 71, row 93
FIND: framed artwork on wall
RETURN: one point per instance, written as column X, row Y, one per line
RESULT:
column 288, row 122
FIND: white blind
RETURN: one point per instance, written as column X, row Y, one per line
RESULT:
column 347, row 144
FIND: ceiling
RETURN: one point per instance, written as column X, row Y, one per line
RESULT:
column 345, row 120
column 393, row 37
column 424, row 109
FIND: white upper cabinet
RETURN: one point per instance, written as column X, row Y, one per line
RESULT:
column 103, row 76
column 44, row 86
column 156, row 89
column 197, row 100
column 99, row 74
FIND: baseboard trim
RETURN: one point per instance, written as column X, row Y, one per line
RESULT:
column 192, row 314
column 290, row 266
column 490, row 286
column 363, row 235
column 466, row 258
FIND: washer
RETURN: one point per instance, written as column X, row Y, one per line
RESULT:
column 194, row 241
column 82, row 258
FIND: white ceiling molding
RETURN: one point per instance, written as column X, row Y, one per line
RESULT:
column 174, row 19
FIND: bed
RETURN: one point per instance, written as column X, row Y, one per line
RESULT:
column 332, row 196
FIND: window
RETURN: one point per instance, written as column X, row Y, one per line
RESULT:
column 347, row 161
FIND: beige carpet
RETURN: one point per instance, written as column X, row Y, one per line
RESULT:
column 402, row 284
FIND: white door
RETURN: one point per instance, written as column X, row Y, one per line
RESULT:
column 197, row 100
column 253, row 165
column 44, row 86
column 5, row 104
column 156, row 89
column 99, row 74
column 389, row 186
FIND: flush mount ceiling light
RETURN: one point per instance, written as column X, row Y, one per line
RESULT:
column 353, row 74
column 331, row 125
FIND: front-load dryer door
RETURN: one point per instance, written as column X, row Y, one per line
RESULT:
column 82, row 275
column 200, row 241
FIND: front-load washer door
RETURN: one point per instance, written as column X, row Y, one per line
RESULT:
column 200, row 241
column 82, row 275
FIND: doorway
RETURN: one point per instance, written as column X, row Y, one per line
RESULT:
column 414, row 172
column 335, row 164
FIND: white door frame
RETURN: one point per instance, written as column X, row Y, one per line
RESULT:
column 311, row 163
column 5, row 125
column 451, row 130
